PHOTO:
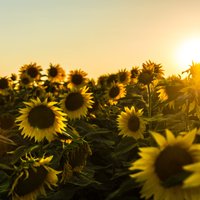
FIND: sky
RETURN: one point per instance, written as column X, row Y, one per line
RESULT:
column 97, row 36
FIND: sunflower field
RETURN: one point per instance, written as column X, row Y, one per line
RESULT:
column 129, row 135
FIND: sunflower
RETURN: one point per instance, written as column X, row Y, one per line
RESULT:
column 111, row 78
column 5, row 85
column 41, row 120
column 32, row 70
column 32, row 179
column 101, row 81
column 162, row 169
column 74, row 160
column 124, row 76
column 55, row 73
column 25, row 80
column 169, row 89
column 134, row 74
column 77, row 78
column 76, row 102
column 130, row 123
column 115, row 92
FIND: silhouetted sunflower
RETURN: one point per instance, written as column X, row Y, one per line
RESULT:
column 5, row 85
column 77, row 78
column 161, row 169
column 32, row 70
column 115, row 92
column 76, row 102
column 170, row 89
column 130, row 123
column 41, row 120
column 134, row 74
column 25, row 80
column 111, row 78
column 55, row 73
column 124, row 76
column 33, row 179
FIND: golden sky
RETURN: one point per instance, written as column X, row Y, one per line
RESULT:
column 97, row 36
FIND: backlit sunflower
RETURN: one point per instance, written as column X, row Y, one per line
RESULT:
column 130, row 123
column 5, row 85
column 161, row 169
column 76, row 102
column 124, row 76
column 111, row 78
column 115, row 92
column 55, row 73
column 41, row 120
column 77, row 78
column 25, row 80
column 169, row 89
column 33, row 179
column 134, row 74
column 32, row 70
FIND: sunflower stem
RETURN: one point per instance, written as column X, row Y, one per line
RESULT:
column 149, row 102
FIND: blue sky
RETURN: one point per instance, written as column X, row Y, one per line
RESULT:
column 97, row 36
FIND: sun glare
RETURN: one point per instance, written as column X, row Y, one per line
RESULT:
column 188, row 52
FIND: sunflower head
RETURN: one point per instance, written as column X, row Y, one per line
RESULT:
column 5, row 85
column 115, row 92
column 124, row 76
column 101, row 81
column 161, row 169
column 55, row 73
column 33, row 178
column 74, row 160
column 76, row 102
column 41, row 120
column 170, row 88
column 111, row 78
column 32, row 70
column 130, row 123
column 77, row 78
column 25, row 80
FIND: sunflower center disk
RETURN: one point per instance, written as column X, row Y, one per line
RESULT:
column 77, row 79
column 133, row 123
column 41, row 117
column 114, row 92
column 32, row 72
column 25, row 81
column 169, row 165
column 35, row 180
column 3, row 83
column 145, row 78
column 74, row 101
column 53, row 72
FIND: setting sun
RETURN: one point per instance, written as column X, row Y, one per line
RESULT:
column 188, row 52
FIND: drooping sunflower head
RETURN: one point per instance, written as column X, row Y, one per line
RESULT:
column 76, row 102
column 32, row 180
column 124, row 76
column 32, row 70
column 77, row 78
column 7, row 121
column 74, row 160
column 130, row 123
column 161, row 169
column 55, row 73
column 115, row 92
column 5, row 85
column 40, row 120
